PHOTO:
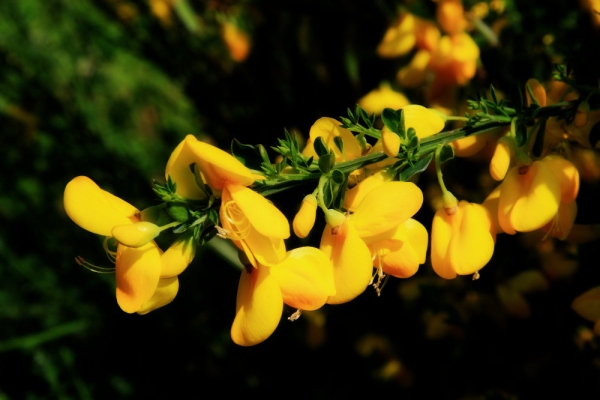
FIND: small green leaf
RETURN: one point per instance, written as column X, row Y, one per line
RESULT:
column 493, row 94
column 339, row 143
column 320, row 147
column 391, row 119
column 337, row 177
column 327, row 194
column 446, row 153
column 178, row 211
column 247, row 154
column 326, row 163
column 416, row 168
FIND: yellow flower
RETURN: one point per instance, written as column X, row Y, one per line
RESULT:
column 383, row 97
column 400, row 38
column 529, row 198
column 376, row 218
column 302, row 280
column 137, row 269
column 451, row 17
column 328, row 129
column 178, row 168
column 462, row 242
column 254, row 224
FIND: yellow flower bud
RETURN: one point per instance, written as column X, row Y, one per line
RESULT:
column 135, row 235
column 305, row 218
column 391, row 142
column 501, row 159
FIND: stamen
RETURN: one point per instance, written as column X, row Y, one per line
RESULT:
column 111, row 254
column 94, row 268
column 238, row 221
column 295, row 315
column 382, row 278
column 476, row 275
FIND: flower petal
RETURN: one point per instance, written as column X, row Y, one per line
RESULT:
column 137, row 273
column 164, row 294
column 305, row 278
column 178, row 168
column 472, row 244
column 259, row 307
column 94, row 209
column 218, row 166
column 386, row 207
column 351, row 258
column 178, row 256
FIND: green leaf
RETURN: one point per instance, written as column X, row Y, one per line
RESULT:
column 178, row 211
column 327, row 194
column 320, row 147
column 247, row 154
column 447, row 153
column 339, row 143
column 391, row 119
column 493, row 94
column 338, row 177
column 326, row 162
column 416, row 168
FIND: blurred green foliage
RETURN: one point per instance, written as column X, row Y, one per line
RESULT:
column 107, row 88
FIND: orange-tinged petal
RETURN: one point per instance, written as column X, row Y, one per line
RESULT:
column 178, row 256
column 530, row 200
column 94, row 209
column 259, row 306
column 386, row 207
column 351, row 258
column 587, row 304
column 450, row 16
column 165, row 293
column 399, row 39
column 567, row 175
column 218, row 166
column 262, row 214
column 425, row 121
column 137, row 273
column 178, row 168
column 305, row 278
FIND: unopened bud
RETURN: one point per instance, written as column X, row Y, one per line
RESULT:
column 334, row 218
column 305, row 218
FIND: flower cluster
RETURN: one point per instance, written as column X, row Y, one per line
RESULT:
column 364, row 187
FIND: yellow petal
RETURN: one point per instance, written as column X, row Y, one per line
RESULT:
column 137, row 273
column 262, row 214
column 403, row 261
column 501, row 158
column 94, row 209
column 165, row 293
column 384, row 96
column 259, row 306
column 425, row 121
column 351, row 259
column 472, row 244
column 587, row 304
column 528, row 201
column 386, row 207
column 560, row 226
column 355, row 195
column 136, row 234
column 304, row 220
column 399, row 39
column 441, row 234
column 391, row 142
column 328, row 129
column 567, row 175
column 218, row 166
column 305, row 278
column 178, row 168
column 178, row 256
column 415, row 73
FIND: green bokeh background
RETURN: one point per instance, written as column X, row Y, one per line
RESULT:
column 102, row 88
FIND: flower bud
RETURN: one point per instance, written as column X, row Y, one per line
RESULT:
column 305, row 218
column 501, row 159
column 391, row 143
column 334, row 218
column 135, row 235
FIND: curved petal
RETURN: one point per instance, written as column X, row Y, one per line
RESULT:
column 472, row 244
column 567, row 174
column 259, row 306
column 164, row 294
column 218, row 166
column 178, row 168
column 262, row 214
column 328, row 129
column 355, row 195
column 386, row 207
column 94, row 209
column 305, row 278
column 351, row 258
column 135, row 234
column 528, row 201
column 441, row 233
column 178, row 256
column 425, row 121
column 137, row 273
